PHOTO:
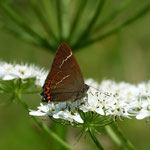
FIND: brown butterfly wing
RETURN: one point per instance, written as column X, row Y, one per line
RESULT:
column 65, row 78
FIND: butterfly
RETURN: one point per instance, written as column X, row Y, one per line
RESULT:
column 64, row 82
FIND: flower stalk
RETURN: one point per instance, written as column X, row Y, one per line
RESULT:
column 115, row 29
column 112, row 15
column 96, row 13
column 76, row 19
column 67, row 30
column 43, row 126
column 26, row 29
column 42, row 20
column 95, row 140
column 126, row 141
column 113, row 136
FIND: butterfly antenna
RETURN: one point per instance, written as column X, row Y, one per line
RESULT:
column 105, row 93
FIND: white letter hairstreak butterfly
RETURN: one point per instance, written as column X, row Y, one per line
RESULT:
column 64, row 81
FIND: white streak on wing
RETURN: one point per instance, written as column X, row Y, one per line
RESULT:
column 61, row 80
column 65, row 60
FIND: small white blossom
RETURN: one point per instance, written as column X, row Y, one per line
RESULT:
column 43, row 110
column 66, row 115
column 144, row 113
column 37, row 113
column 24, row 71
column 93, row 103
column 57, row 111
column 144, row 110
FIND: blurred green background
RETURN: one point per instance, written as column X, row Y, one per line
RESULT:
column 121, row 57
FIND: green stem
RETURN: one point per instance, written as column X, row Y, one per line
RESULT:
column 42, row 19
column 115, row 29
column 15, row 32
column 65, row 18
column 26, row 28
column 8, row 27
column 112, row 15
column 92, row 21
column 113, row 136
column 128, row 144
column 61, row 131
column 95, row 140
column 44, row 127
column 59, row 19
column 76, row 19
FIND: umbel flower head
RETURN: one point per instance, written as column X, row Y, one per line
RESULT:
column 102, row 103
column 22, row 71
column 106, row 100
column 20, row 79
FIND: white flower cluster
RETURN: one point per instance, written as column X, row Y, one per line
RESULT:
column 59, row 111
column 133, row 100
column 106, row 99
column 24, row 71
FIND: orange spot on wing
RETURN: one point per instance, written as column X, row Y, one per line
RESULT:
column 47, row 92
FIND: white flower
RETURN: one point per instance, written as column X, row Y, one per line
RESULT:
column 93, row 103
column 144, row 110
column 67, row 115
column 43, row 110
column 37, row 113
column 24, row 71
column 57, row 111
column 144, row 113
column 5, row 71
column 107, row 99
column 118, row 109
